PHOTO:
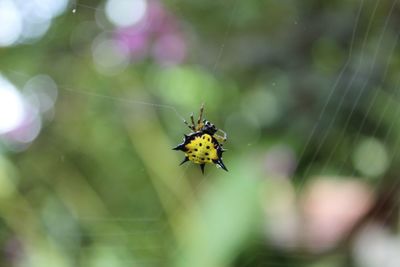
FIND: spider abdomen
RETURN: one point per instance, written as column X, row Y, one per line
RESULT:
column 202, row 149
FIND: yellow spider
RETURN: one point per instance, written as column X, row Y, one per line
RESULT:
column 203, row 145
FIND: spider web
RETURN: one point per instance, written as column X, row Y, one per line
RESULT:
column 110, row 228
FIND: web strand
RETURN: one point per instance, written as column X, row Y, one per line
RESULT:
column 221, row 50
column 343, row 131
column 129, row 101
column 347, row 89
column 335, row 86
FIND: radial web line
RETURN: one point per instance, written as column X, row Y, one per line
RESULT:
column 343, row 131
column 129, row 101
column 226, row 34
column 339, row 106
column 109, row 97
column 311, row 135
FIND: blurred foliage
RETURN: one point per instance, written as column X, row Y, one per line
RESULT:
column 305, row 90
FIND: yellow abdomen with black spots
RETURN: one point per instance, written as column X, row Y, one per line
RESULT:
column 201, row 149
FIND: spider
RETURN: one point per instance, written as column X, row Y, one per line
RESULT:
column 203, row 145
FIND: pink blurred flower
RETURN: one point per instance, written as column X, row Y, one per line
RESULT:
column 170, row 48
column 328, row 210
column 331, row 207
column 156, row 35
column 135, row 42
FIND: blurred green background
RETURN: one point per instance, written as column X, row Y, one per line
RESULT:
column 92, row 98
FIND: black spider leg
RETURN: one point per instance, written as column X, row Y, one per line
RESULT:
column 202, row 167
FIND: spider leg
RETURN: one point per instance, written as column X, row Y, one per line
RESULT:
column 201, row 114
column 192, row 119
column 221, row 138
column 200, row 124
column 190, row 126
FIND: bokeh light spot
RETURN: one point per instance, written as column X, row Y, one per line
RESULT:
column 264, row 105
column 370, row 157
column 125, row 13
column 11, row 106
column 42, row 10
column 109, row 57
column 42, row 92
column 29, row 128
column 36, row 16
column 375, row 246
column 11, row 23
column 34, row 30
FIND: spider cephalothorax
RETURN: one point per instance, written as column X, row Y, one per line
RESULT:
column 203, row 145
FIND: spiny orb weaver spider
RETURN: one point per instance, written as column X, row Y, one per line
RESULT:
column 203, row 145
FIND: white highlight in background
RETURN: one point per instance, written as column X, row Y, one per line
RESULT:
column 24, row 21
column 375, row 246
column 10, row 23
column 124, row 13
column 11, row 106
column 41, row 10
